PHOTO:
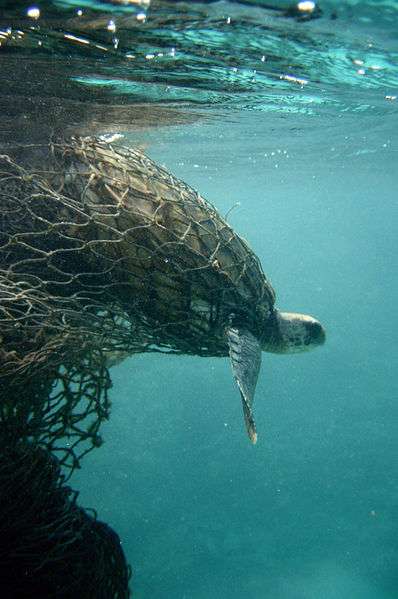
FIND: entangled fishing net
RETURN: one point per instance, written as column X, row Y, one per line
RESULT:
column 54, row 382
column 103, row 253
column 50, row 548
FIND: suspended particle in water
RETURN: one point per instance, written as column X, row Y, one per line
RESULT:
column 306, row 6
column 33, row 12
column 111, row 26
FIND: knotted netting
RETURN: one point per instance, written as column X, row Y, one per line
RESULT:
column 50, row 548
column 103, row 253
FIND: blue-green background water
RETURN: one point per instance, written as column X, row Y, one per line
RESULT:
column 311, row 511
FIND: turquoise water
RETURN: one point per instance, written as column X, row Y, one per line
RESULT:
column 310, row 512
column 307, row 168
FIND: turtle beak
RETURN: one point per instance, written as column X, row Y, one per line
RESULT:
column 316, row 334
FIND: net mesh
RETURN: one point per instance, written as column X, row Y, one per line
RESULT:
column 54, row 382
column 103, row 254
column 49, row 546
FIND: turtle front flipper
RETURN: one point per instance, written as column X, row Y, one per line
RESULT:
column 245, row 354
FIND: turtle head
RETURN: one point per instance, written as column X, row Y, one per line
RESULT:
column 290, row 332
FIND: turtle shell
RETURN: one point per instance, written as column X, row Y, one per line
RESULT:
column 154, row 245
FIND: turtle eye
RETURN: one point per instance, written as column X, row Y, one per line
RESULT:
column 316, row 334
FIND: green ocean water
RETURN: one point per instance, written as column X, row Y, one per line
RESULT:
column 301, row 150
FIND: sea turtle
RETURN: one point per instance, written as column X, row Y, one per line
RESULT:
column 132, row 233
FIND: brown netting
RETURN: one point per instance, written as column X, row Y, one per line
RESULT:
column 49, row 546
column 104, row 253
column 53, row 379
